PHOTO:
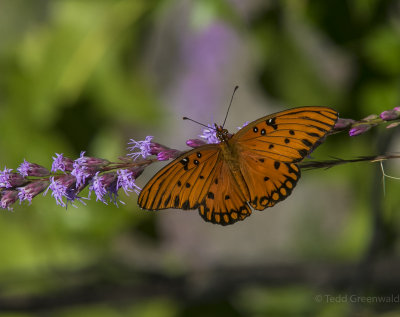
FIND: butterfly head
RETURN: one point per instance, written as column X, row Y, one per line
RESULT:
column 222, row 134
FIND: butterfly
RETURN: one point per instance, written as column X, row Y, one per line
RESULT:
column 252, row 169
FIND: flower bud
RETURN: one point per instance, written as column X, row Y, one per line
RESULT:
column 168, row 154
column 156, row 148
column 343, row 123
column 136, row 171
column 392, row 125
column 194, row 143
column 390, row 115
column 360, row 129
column 8, row 197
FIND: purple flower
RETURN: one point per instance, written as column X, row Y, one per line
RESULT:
column 390, row 115
column 8, row 197
column 343, row 123
column 144, row 148
column 8, row 179
column 32, row 169
column 86, row 167
column 81, row 171
column 105, row 184
column 210, row 135
column 360, row 129
column 61, row 163
column 31, row 190
column 126, row 181
column 194, row 143
column 61, row 187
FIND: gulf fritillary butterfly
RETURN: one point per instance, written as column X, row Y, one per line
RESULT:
column 255, row 167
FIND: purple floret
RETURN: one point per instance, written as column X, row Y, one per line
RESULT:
column 126, row 181
column 5, row 177
column 99, row 187
column 58, row 191
column 23, row 169
column 61, row 163
column 24, row 195
column 210, row 135
column 81, row 171
column 140, row 148
column 64, row 186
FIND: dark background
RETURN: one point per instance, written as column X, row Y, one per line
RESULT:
column 90, row 75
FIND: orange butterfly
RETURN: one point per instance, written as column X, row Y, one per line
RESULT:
column 255, row 167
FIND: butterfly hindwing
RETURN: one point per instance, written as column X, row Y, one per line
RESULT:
column 224, row 202
column 287, row 136
column 182, row 182
column 268, row 181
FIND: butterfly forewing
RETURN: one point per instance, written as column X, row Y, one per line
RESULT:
column 287, row 136
column 182, row 182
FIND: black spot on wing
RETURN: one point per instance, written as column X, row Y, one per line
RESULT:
column 272, row 123
column 176, row 202
column 186, row 205
column 314, row 135
column 303, row 152
column 306, row 142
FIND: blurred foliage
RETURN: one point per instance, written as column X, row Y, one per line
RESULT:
column 80, row 75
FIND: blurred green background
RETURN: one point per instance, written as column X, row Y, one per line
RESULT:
column 90, row 75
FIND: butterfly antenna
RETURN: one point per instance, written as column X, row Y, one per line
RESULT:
column 202, row 124
column 230, row 103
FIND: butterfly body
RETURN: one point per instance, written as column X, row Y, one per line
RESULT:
column 255, row 167
column 230, row 154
